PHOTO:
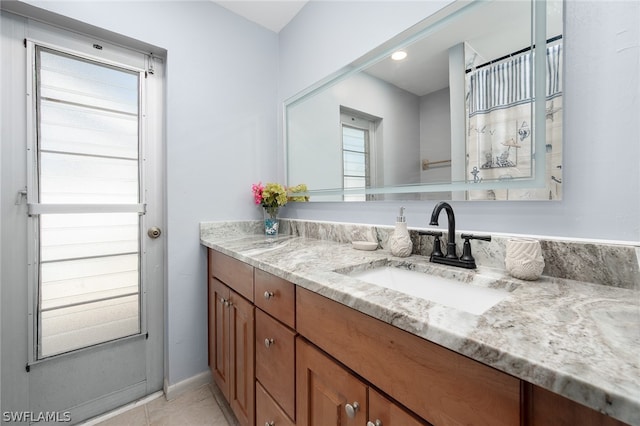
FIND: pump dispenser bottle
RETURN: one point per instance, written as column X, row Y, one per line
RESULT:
column 400, row 242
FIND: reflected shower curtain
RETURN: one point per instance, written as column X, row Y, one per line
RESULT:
column 499, row 137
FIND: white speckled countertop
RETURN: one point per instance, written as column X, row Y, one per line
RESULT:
column 577, row 339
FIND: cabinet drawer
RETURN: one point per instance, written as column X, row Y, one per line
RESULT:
column 275, row 360
column 234, row 273
column 439, row 385
column 276, row 297
column 267, row 411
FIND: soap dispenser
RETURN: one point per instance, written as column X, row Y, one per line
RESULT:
column 400, row 242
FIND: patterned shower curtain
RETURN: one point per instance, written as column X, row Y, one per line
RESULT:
column 499, row 139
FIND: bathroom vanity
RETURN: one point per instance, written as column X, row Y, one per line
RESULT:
column 295, row 340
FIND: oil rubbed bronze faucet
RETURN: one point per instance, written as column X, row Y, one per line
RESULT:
column 451, row 258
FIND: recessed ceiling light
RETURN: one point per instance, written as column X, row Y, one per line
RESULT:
column 399, row 55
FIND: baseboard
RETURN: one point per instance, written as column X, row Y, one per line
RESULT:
column 193, row 382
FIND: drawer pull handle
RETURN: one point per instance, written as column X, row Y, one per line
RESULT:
column 268, row 295
column 268, row 342
column 352, row 409
column 378, row 422
column 271, row 423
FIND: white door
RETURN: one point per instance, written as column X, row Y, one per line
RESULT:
column 94, row 218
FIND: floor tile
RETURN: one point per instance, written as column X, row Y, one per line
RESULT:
column 134, row 417
column 197, row 407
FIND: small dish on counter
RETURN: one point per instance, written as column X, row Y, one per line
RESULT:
column 364, row 245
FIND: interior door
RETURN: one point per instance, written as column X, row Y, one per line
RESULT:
column 95, row 249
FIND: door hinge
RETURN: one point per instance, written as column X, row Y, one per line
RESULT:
column 27, row 367
column 151, row 67
column 146, row 336
column 24, row 42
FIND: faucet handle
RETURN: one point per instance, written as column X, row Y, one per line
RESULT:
column 466, row 247
column 468, row 237
column 432, row 233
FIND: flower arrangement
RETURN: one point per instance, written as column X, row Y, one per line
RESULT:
column 271, row 196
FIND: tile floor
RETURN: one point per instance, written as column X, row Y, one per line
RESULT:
column 193, row 408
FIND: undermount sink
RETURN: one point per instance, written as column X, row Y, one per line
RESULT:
column 445, row 291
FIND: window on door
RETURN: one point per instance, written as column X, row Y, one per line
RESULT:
column 86, row 174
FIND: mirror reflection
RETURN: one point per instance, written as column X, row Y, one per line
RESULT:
column 453, row 106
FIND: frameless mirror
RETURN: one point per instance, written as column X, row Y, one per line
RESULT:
column 472, row 110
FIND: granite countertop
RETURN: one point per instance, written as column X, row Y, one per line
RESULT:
column 577, row 339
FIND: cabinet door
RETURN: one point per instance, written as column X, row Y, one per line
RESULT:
column 219, row 334
column 242, row 355
column 328, row 395
column 383, row 412
column 275, row 360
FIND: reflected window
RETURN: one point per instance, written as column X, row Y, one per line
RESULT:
column 355, row 154
column 358, row 153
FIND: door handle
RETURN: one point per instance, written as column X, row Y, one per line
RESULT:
column 154, row 232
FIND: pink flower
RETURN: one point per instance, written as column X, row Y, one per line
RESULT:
column 257, row 189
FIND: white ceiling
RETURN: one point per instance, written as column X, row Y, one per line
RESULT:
column 273, row 15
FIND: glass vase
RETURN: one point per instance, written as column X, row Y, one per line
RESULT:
column 271, row 223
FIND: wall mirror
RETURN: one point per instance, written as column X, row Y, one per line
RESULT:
column 472, row 110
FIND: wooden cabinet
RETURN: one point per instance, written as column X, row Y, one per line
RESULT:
column 302, row 359
column 545, row 408
column 329, row 394
column 231, row 336
column 439, row 385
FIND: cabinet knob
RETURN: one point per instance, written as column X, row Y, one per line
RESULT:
column 378, row 422
column 225, row 302
column 268, row 342
column 352, row 409
column 271, row 423
column 268, row 295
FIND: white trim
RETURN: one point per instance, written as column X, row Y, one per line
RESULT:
column 193, row 382
column 32, row 191
column 82, row 45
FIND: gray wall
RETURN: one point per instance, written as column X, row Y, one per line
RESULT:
column 221, row 121
column 601, row 141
